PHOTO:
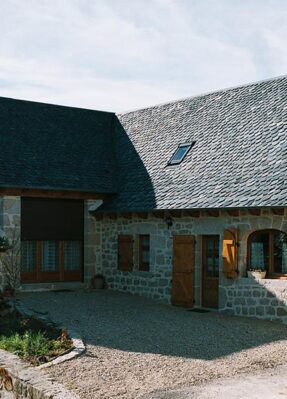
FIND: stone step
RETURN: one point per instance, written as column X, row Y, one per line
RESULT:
column 51, row 286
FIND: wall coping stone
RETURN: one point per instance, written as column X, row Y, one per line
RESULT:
column 29, row 382
column 78, row 345
column 261, row 282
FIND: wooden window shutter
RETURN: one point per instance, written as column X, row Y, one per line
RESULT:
column 230, row 253
column 125, row 253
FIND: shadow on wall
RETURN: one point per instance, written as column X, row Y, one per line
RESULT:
column 265, row 299
column 136, row 324
column 135, row 188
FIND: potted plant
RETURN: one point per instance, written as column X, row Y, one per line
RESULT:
column 97, row 282
column 256, row 273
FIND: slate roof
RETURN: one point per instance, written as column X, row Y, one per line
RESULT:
column 239, row 158
column 55, row 147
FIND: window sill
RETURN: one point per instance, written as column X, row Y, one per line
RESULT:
column 277, row 277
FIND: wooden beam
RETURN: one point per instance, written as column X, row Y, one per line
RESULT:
column 158, row 214
column 175, row 213
column 126, row 215
column 98, row 216
column 213, row 213
column 142, row 215
column 254, row 211
column 44, row 193
column 191, row 212
column 278, row 211
column 233, row 212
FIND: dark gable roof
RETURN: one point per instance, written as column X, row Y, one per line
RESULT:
column 55, row 147
column 239, row 158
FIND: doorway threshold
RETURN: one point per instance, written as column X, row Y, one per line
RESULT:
column 199, row 310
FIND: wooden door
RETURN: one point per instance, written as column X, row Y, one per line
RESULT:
column 210, row 271
column 183, row 271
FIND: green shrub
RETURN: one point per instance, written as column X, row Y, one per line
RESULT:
column 32, row 346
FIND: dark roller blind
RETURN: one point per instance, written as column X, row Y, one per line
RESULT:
column 51, row 219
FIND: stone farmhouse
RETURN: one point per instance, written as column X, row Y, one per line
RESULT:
column 176, row 202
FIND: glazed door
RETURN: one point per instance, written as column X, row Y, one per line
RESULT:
column 210, row 271
column 183, row 271
column 51, row 240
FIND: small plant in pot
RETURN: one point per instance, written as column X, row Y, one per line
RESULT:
column 256, row 273
column 98, row 282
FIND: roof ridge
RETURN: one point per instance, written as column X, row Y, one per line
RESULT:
column 56, row 105
column 202, row 95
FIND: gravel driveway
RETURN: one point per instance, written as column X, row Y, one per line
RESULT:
column 136, row 346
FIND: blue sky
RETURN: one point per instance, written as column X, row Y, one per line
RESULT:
column 123, row 54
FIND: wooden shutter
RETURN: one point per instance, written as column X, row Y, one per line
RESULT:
column 125, row 253
column 230, row 253
column 183, row 270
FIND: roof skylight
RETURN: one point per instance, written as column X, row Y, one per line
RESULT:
column 180, row 153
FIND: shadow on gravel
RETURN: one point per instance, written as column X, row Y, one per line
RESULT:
column 135, row 324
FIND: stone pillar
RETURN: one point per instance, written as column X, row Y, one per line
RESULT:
column 92, row 243
column 10, row 219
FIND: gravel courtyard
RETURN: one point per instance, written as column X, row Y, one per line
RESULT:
column 136, row 346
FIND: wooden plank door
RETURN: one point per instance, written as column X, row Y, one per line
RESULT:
column 210, row 270
column 183, row 271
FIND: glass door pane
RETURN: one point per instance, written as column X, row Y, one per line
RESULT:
column 28, row 256
column 72, row 255
column 280, row 252
column 50, row 256
column 260, row 251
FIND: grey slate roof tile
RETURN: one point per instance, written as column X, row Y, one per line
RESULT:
column 239, row 158
column 55, row 147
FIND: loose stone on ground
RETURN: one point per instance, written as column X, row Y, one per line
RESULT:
column 136, row 346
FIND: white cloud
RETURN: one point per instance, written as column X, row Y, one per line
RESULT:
column 124, row 54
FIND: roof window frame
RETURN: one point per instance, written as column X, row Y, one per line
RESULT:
column 173, row 162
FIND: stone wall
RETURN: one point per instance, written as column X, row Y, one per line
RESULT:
column 10, row 224
column 19, row 381
column 92, row 242
column 157, row 282
column 265, row 299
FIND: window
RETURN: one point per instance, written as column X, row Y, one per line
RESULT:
column 72, row 255
column 144, row 252
column 50, row 256
column 28, row 256
column 267, row 250
column 180, row 153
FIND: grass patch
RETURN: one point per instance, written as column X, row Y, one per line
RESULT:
column 31, row 339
